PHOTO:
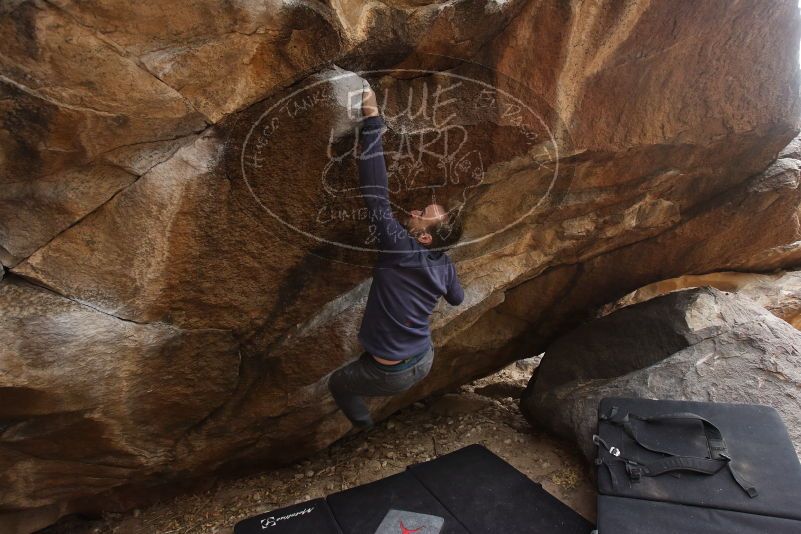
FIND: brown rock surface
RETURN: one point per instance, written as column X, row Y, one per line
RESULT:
column 39, row 209
column 122, row 130
column 91, row 402
column 69, row 95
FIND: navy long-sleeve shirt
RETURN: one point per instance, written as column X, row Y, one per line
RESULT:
column 408, row 278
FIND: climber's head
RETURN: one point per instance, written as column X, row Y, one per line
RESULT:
column 434, row 227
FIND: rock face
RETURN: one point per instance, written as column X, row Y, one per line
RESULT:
column 696, row 344
column 185, row 266
column 109, row 411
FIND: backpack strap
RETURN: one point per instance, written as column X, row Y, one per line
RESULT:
column 716, row 446
column 717, row 459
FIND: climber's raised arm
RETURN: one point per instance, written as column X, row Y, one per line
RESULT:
column 373, row 178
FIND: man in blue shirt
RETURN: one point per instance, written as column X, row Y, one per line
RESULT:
column 411, row 273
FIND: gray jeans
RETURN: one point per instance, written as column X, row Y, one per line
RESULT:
column 365, row 377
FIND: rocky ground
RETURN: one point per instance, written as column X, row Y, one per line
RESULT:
column 484, row 411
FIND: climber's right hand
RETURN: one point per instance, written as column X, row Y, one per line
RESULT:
column 369, row 104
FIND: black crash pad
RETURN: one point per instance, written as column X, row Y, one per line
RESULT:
column 756, row 440
column 620, row 515
column 489, row 495
column 362, row 508
column 471, row 489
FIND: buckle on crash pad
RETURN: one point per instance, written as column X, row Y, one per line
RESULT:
column 614, row 451
column 634, row 471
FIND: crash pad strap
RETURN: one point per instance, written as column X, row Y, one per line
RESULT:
column 716, row 445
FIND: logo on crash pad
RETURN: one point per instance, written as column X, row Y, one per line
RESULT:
column 406, row 530
column 273, row 521
column 407, row 522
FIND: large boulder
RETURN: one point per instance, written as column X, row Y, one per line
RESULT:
column 603, row 147
column 698, row 344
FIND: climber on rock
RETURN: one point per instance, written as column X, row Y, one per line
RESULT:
column 411, row 274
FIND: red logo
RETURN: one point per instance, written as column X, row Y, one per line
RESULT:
column 406, row 530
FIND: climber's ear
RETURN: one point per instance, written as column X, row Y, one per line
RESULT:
column 425, row 238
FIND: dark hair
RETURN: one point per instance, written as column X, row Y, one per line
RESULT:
column 446, row 233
